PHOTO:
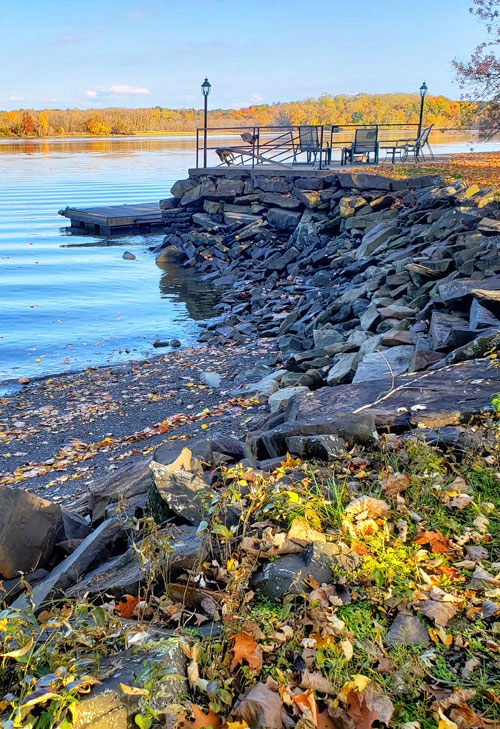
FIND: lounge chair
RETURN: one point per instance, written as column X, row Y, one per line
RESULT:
column 417, row 148
column 365, row 143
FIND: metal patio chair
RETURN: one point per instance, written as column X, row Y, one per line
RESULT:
column 365, row 143
column 310, row 144
column 417, row 148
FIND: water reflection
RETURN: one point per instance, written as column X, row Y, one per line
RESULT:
column 199, row 296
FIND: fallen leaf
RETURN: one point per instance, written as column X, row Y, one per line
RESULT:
column 438, row 543
column 125, row 608
column 395, row 484
column 440, row 612
column 200, row 720
column 246, row 649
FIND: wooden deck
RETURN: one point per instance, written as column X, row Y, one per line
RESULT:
column 114, row 219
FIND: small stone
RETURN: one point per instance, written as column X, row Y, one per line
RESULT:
column 129, row 256
column 210, row 379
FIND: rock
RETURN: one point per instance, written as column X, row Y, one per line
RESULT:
column 172, row 254
column 127, row 256
column 449, row 332
column 175, row 492
column 261, row 708
column 283, row 219
column 281, row 201
column 344, row 369
column 480, row 317
column 175, row 343
column 488, row 299
column 122, row 575
column 73, row 567
column 446, row 396
column 316, row 447
column 211, row 379
column 377, row 237
column 128, row 486
column 384, row 365
column 107, row 706
column 487, row 340
column 279, row 399
column 326, row 336
column 287, row 575
column 458, row 292
column 309, row 198
column 394, row 311
column 394, row 338
column 356, row 429
column 407, row 630
column 181, row 186
column 28, row 531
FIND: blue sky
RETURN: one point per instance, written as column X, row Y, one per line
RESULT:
column 96, row 53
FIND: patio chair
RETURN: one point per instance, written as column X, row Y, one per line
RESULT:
column 365, row 143
column 309, row 143
column 417, row 148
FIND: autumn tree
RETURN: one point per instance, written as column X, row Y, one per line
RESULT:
column 480, row 75
column 27, row 124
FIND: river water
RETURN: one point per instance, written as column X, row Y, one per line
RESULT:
column 65, row 308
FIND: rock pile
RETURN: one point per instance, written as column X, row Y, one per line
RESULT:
column 359, row 277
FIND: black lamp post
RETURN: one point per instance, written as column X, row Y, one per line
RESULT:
column 423, row 92
column 205, row 90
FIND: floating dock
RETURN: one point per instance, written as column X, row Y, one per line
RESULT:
column 115, row 219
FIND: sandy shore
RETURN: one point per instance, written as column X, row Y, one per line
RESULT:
column 60, row 433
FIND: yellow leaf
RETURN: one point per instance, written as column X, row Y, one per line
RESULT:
column 133, row 690
column 19, row 652
column 358, row 683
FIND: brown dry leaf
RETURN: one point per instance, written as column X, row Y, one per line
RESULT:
column 366, row 706
column 385, row 665
column 325, row 596
column 307, row 702
column 306, row 721
column 366, row 507
column 440, row 612
column 200, row 720
column 324, row 721
column 246, row 649
column 395, row 484
column 315, row 681
column 460, row 502
column 438, row 543
column 453, row 698
column 465, row 718
column 125, row 608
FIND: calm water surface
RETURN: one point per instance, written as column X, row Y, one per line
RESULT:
column 64, row 308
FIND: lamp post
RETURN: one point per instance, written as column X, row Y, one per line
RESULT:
column 423, row 92
column 205, row 90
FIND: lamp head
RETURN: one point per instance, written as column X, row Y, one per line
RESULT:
column 423, row 90
column 205, row 87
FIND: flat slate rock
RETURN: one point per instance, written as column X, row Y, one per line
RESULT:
column 447, row 396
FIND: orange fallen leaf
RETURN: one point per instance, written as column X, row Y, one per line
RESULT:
column 438, row 543
column 200, row 720
column 246, row 649
column 125, row 608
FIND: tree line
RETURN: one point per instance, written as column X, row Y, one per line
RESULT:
column 327, row 109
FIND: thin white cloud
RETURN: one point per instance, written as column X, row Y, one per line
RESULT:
column 15, row 97
column 255, row 99
column 111, row 92
column 125, row 89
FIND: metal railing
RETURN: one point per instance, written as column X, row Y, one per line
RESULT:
column 285, row 145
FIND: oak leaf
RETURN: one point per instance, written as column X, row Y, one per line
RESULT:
column 125, row 608
column 246, row 649
column 437, row 541
column 200, row 720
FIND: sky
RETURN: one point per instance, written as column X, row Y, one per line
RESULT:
column 98, row 53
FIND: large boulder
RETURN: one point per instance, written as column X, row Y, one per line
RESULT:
column 283, row 219
column 128, row 486
column 177, row 490
column 107, row 706
column 29, row 527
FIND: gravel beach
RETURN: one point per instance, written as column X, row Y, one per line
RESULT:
column 60, row 433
